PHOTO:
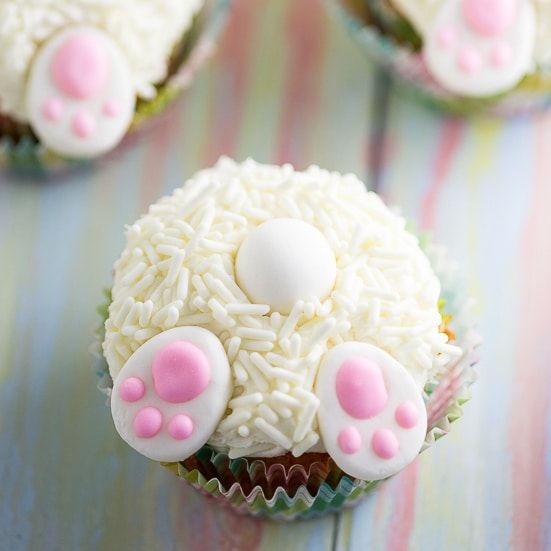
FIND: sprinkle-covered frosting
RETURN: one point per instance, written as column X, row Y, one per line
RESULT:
column 179, row 269
column 145, row 30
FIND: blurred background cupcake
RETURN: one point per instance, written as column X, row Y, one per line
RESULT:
column 466, row 56
column 281, row 340
column 77, row 76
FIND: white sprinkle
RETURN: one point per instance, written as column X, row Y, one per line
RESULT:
column 256, row 334
column 310, row 440
column 291, row 321
column 285, row 399
column 256, row 346
column 305, row 421
column 267, row 413
column 233, row 348
column 273, row 433
column 247, row 400
column 183, row 284
column 251, row 309
column 243, row 431
column 145, row 316
column 238, row 417
column 134, row 273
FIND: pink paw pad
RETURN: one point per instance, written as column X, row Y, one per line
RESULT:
column 360, row 388
column 469, row 61
column 371, row 417
column 490, row 17
column 172, row 392
column 80, row 86
column 350, row 440
column 407, row 414
column 132, row 389
column 180, row 427
column 180, row 372
column 385, row 444
column 147, row 422
column 80, row 67
column 52, row 109
column 447, row 37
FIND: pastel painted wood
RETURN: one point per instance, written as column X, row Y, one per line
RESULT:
column 287, row 85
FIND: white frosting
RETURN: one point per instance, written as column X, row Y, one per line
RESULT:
column 421, row 13
column 178, row 269
column 283, row 261
column 145, row 30
column 364, row 462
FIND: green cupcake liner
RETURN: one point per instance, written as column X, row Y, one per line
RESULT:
column 27, row 156
column 296, row 491
column 391, row 42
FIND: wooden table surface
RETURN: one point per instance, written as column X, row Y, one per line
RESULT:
column 288, row 84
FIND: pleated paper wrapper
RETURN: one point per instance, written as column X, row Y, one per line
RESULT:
column 290, row 488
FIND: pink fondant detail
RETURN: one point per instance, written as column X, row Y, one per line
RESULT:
column 490, row 17
column 180, row 427
column 84, row 125
column 385, row 444
column 132, row 389
column 52, row 109
column 446, row 37
column 80, row 66
column 349, row 440
column 147, row 422
column 502, row 54
column 181, row 372
column 469, row 61
column 360, row 388
column 407, row 414
column 111, row 108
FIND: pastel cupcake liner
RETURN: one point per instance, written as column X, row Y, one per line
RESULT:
column 288, row 488
column 391, row 43
column 25, row 154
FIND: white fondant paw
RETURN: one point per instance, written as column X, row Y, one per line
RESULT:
column 171, row 393
column 481, row 47
column 80, row 97
column 372, row 417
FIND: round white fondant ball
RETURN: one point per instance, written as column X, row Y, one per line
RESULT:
column 285, row 260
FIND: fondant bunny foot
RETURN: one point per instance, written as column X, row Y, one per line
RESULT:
column 80, row 96
column 481, row 47
column 171, row 393
column 372, row 417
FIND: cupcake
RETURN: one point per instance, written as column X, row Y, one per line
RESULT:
column 280, row 340
column 465, row 55
column 76, row 76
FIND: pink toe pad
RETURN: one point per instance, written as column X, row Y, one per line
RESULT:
column 80, row 67
column 181, row 372
column 350, row 440
column 111, row 108
column 407, row 414
column 490, row 17
column 360, row 388
column 52, row 109
column 84, row 125
column 469, row 61
column 147, row 422
column 132, row 389
column 385, row 444
column 180, row 427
